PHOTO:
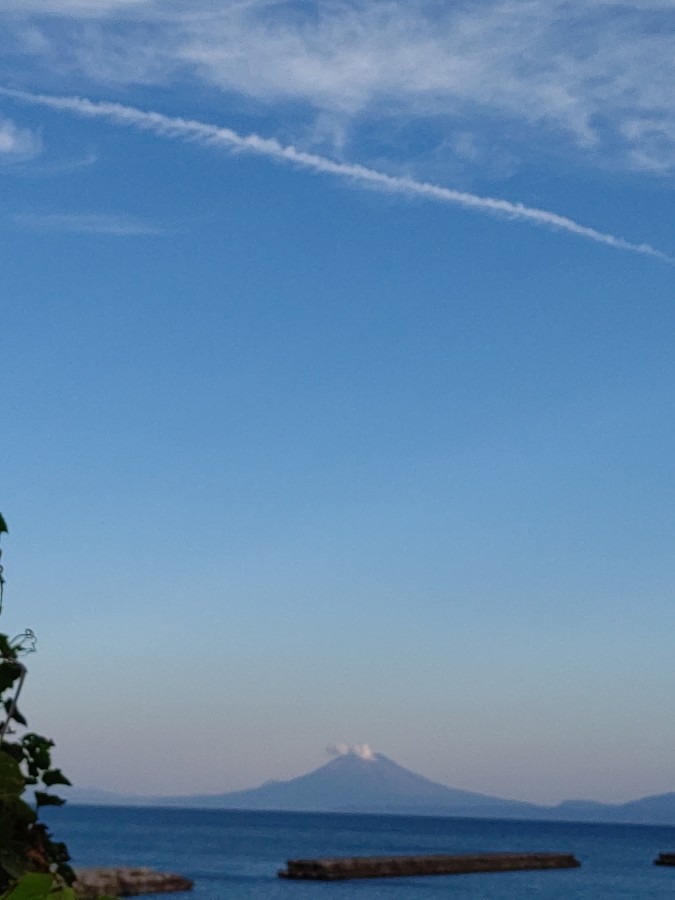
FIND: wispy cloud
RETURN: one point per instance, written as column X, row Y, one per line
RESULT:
column 17, row 144
column 34, row 169
column 592, row 76
column 88, row 223
column 78, row 8
column 209, row 135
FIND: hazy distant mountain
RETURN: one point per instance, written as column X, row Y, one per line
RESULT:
column 352, row 783
column 365, row 782
column 656, row 810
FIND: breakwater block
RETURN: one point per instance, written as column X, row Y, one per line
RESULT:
column 665, row 859
column 126, row 882
column 342, row 868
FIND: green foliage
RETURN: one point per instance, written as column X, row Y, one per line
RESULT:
column 38, row 886
column 32, row 865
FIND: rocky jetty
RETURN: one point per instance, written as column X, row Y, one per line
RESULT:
column 126, row 882
column 341, row 868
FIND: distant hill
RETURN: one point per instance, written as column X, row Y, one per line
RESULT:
column 366, row 782
column 656, row 810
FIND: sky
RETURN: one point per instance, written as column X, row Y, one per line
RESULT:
column 337, row 368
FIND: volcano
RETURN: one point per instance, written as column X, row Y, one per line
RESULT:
column 362, row 783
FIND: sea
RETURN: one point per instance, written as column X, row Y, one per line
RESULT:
column 235, row 855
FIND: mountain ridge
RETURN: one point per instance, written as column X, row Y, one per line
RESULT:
column 372, row 783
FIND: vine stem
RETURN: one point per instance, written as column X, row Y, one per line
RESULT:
column 15, row 700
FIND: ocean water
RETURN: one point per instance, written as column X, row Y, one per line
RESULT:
column 236, row 854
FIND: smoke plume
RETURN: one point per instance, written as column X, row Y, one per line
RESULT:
column 363, row 751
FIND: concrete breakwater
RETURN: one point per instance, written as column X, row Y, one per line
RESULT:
column 341, row 868
column 126, row 882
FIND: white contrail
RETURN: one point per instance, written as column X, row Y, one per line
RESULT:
column 214, row 135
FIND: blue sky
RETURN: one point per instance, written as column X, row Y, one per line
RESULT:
column 337, row 388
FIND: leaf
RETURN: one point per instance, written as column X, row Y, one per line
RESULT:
column 34, row 886
column 24, row 813
column 6, row 649
column 16, row 751
column 54, row 776
column 16, row 715
column 13, row 862
column 43, row 799
column 9, row 672
column 11, row 780
column 38, row 751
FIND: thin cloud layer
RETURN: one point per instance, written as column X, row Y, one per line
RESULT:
column 77, row 8
column 594, row 75
column 193, row 131
column 88, row 223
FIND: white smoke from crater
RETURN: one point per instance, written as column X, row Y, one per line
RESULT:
column 363, row 751
column 337, row 749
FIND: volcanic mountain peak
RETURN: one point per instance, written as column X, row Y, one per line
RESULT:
column 363, row 751
column 360, row 780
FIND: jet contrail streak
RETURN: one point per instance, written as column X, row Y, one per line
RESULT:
column 191, row 130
